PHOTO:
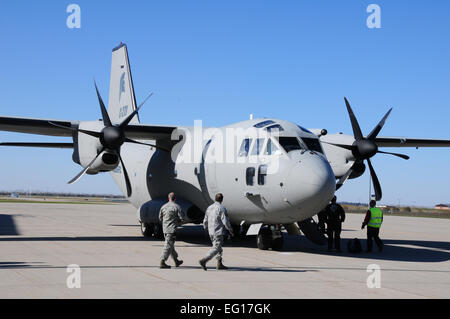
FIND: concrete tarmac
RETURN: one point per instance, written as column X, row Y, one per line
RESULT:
column 39, row 241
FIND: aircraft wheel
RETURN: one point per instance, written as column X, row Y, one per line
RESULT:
column 277, row 243
column 240, row 232
column 158, row 231
column 236, row 230
column 264, row 239
column 147, row 229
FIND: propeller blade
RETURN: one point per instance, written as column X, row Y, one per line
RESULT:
column 141, row 143
column 91, row 133
column 143, row 102
column 130, row 117
column 127, row 180
column 378, row 128
column 343, row 179
column 105, row 116
column 355, row 126
column 406, row 157
column 73, row 180
column 376, row 182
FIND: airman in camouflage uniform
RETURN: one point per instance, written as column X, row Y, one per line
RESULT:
column 216, row 221
column 171, row 217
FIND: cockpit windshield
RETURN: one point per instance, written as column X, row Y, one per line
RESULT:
column 289, row 143
column 313, row 144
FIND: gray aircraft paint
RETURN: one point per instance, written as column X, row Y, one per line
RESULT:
column 299, row 189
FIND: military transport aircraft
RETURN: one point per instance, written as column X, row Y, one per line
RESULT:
column 278, row 176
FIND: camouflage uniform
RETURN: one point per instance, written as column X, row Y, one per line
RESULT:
column 171, row 217
column 216, row 221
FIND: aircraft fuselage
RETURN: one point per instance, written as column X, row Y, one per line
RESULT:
column 262, row 181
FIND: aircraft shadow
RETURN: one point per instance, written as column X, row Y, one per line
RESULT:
column 17, row 265
column 8, row 226
column 394, row 249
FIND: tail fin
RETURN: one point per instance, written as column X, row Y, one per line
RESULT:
column 122, row 101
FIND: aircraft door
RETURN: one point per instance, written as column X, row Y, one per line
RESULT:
column 261, row 173
column 209, row 163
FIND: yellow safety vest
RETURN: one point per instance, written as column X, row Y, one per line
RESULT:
column 376, row 217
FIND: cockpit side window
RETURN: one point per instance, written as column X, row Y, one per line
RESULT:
column 264, row 123
column 271, row 148
column 304, row 129
column 257, row 146
column 289, row 143
column 245, row 147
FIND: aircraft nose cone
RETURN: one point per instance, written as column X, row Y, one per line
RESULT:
column 312, row 182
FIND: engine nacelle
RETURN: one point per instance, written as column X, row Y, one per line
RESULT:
column 149, row 212
column 88, row 147
column 340, row 159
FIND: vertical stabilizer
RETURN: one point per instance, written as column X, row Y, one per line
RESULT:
column 122, row 101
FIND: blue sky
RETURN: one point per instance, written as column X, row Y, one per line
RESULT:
column 219, row 62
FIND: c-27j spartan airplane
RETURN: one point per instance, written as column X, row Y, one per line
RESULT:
column 280, row 177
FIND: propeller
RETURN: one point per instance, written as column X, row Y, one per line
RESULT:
column 364, row 148
column 112, row 137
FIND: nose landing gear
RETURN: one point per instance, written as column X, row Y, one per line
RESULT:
column 270, row 237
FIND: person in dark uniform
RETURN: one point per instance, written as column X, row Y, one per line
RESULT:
column 322, row 216
column 335, row 216
column 373, row 220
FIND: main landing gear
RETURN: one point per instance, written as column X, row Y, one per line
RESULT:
column 270, row 237
column 152, row 230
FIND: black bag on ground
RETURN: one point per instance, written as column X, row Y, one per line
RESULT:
column 354, row 246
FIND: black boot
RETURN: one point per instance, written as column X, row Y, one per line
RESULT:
column 221, row 266
column 178, row 262
column 163, row 265
column 202, row 263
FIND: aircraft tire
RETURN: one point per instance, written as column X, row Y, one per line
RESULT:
column 264, row 239
column 147, row 229
column 277, row 243
column 158, row 231
column 236, row 231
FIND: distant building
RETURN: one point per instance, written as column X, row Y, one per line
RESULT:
column 14, row 195
column 442, row 206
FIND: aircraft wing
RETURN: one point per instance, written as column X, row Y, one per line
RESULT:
column 40, row 145
column 148, row 132
column 36, row 126
column 410, row 142
column 45, row 127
